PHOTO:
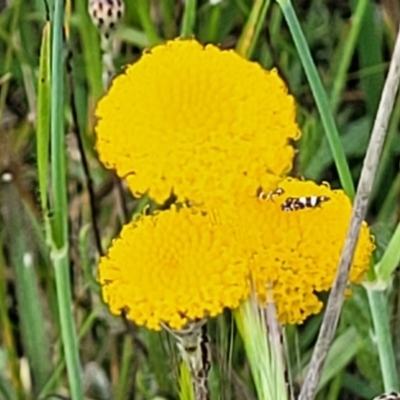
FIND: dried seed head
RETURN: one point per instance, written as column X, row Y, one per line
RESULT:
column 105, row 14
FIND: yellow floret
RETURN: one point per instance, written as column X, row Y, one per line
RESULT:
column 298, row 251
column 173, row 267
column 199, row 121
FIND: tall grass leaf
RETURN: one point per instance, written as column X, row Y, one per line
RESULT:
column 339, row 78
column 340, row 355
column 22, row 257
column 9, row 362
column 43, row 118
column 143, row 8
column 264, row 359
column 91, row 51
column 185, row 383
column 59, row 235
column 370, row 55
column 189, row 19
column 320, row 96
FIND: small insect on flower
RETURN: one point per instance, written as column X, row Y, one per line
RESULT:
column 270, row 195
column 299, row 203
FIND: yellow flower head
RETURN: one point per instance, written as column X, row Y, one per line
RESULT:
column 173, row 267
column 296, row 248
column 199, row 121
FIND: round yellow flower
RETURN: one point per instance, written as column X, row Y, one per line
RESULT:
column 173, row 267
column 199, row 121
column 298, row 250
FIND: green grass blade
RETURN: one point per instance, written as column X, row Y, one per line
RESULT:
column 189, row 19
column 340, row 355
column 380, row 313
column 390, row 259
column 8, row 342
column 167, row 11
column 22, row 259
column 370, row 55
column 389, row 208
column 251, row 31
column 126, row 369
column 133, row 36
column 214, row 24
column 143, row 8
column 59, row 239
column 387, row 165
column 43, row 117
column 57, row 372
column 339, row 79
column 185, row 383
column 320, row 96
column 6, row 390
column 264, row 360
column 91, row 50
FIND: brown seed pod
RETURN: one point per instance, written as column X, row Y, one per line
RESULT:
column 106, row 14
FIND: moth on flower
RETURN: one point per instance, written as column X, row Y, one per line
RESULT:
column 299, row 203
column 293, row 203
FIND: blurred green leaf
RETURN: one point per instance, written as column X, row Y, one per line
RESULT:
column 22, row 259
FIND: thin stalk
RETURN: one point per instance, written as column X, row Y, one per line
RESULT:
column 55, row 376
column 358, row 215
column 59, row 239
column 251, row 31
column 320, row 96
column 143, row 9
column 125, row 375
column 189, row 19
column 339, row 79
column 379, row 312
column 85, row 163
column 193, row 344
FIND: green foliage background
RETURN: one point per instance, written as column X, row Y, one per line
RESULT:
column 350, row 44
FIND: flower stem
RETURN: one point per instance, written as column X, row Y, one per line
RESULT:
column 262, row 351
column 320, row 96
column 193, row 345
